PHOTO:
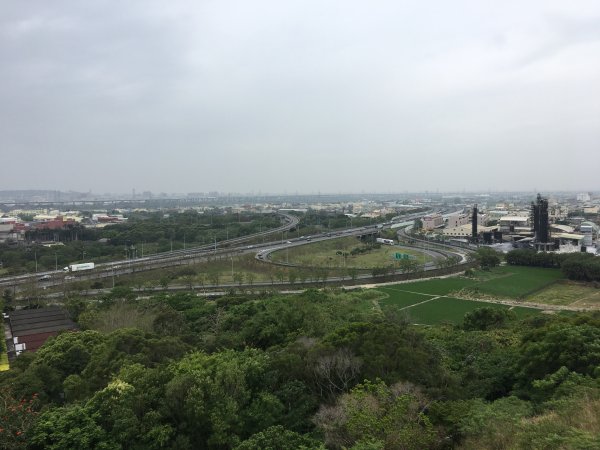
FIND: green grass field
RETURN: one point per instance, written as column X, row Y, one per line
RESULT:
column 515, row 282
column 323, row 254
column 452, row 310
column 434, row 301
column 441, row 286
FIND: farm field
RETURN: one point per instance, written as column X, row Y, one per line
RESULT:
column 567, row 293
column 508, row 282
column 328, row 254
column 435, row 301
column 401, row 299
column 452, row 310
column 432, row 309
column 515, row 282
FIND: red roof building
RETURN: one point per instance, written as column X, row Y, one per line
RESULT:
column 30, row 328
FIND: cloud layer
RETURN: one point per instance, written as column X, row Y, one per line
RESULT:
column 271, row 96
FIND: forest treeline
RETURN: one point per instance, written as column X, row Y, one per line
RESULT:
column 575, row 266
column 320, row 369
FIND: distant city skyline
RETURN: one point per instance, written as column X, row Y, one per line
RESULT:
column 150, row 194
column 300, row 96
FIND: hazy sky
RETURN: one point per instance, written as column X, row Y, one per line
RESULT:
column 286, row 96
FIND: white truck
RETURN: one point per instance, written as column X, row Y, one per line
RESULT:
column 79, row 267
column 385, row 241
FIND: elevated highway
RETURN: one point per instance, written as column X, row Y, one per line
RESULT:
column 165, row 259
column 226, row 248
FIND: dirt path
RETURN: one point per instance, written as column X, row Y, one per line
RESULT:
column 420, row 303
column 534, row 305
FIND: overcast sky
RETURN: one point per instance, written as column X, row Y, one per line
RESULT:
column 299, row 96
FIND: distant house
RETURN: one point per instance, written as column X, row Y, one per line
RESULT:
column 57, row 223
column 6, row 230
column 30, row 328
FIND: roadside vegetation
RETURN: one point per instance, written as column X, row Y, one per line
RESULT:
column 143, row 234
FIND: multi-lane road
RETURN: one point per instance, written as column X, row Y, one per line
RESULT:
column 159, row 260
column 226, row 248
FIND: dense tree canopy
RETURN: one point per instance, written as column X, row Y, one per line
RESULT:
column 315, row 370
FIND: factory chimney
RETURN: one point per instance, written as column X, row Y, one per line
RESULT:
column 474, row 223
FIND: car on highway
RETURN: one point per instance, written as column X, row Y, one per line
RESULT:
column 44, row 278
column 69, row 277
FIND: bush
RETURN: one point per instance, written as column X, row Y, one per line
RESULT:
column 487, row 318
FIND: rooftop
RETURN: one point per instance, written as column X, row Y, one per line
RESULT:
column 514, row 219
column 26, row 322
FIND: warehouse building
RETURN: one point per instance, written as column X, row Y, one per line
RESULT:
column 30, row 328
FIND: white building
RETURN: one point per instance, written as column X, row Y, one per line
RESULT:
column 568, row 242
column 510, row 223
column 466, row 231
column 457, row 220
column 587, row 230
column 432, row 221
column 583, row 197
